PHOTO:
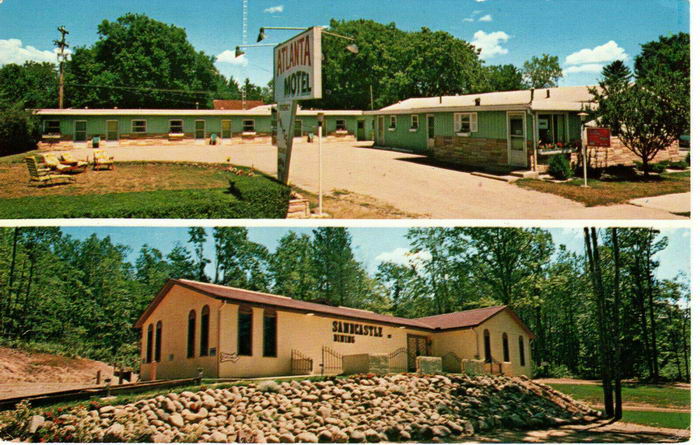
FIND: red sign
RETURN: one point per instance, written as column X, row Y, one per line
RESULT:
column 598, row 137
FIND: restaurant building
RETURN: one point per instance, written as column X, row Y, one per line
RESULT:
column 230, row 332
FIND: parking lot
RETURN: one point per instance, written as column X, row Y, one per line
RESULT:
column 405, row 181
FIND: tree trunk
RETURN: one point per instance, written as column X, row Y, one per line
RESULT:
column 652, row 316
column 617, row 359
column 5, row 308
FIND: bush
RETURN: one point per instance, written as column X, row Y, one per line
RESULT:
column 682, row 165
column 560, row 167
column 19, row 131
column 550, row 370
column 687, row 159
column 264, row 196
column 658, row 167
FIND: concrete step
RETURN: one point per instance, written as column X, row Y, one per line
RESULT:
column 298, row 208
column 527, row 174
column 504, row 178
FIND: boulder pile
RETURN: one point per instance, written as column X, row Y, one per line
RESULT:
column 365, row 408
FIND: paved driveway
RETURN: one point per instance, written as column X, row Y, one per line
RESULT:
column 399, row 179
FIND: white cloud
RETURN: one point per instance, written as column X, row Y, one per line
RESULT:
column 608, row 52
column 587, row 68
column 486, row 18
column 480, row 1
column 468, row 19
column 12, row 51
column 403, row 257
column 229, row 57
column 274, row 9
column 490, row 43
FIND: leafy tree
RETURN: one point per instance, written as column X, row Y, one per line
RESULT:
column 152, row 270
column 542, row 72
column 198, row 237
column 504, row 78
column 292, row 267
column 239, row 261
column 180, row 263
column 31, row 85
column 20, row 130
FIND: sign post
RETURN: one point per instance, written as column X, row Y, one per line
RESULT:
column 297, row 77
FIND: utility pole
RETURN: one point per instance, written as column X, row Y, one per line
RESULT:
column 62, row 57
column 244, row 38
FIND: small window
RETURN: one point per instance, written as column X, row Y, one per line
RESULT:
column 487, row 346
column 414, row 122
column 159, row 339
column 245, row 331
column 52, row 127
column 392, row 123
column 340, row 125
column 204, row 334
column 506, row 349
column 466, row 123
column 176, row 126
column 139, row 126
column 249, row 126
column 191, row 327
column 521, row 346
column 149, row 344
column 270, row 334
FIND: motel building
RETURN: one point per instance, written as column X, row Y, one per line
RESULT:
column 228, row 332
column 507, row 130
column 77, row 127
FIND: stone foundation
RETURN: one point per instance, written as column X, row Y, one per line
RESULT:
column 429, row 365
column 618, row 154
column 379, row 363
column 469, row 151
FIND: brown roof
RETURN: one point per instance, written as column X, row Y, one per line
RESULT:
column 221, row 104
column 438, row 322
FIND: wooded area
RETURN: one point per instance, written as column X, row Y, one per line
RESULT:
column 82, row 296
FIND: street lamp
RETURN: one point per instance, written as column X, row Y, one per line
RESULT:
column 262, row 36
column 584, row 150
column 352, row 47
column 319, row 119
column 239, row 52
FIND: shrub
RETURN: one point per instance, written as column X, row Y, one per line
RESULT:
column 19, row 131
column 658, row 167
column 687, row 159
column 551, row 370
column 269, row 386
column 264, row 196
column 682, row 165
column 560, row 167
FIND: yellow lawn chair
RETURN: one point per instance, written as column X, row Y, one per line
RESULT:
column 76, row 165
column 102, row 161
column 44, row 175
column 51, row 161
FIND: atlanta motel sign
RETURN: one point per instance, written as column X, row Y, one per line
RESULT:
column 297, row 76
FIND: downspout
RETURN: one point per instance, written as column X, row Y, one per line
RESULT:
column 534, row 141
column 218, row 339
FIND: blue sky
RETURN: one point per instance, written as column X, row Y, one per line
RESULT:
column 584, row 34
column 371, row 245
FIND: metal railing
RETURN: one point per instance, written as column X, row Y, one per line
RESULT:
column 398, row 360
column 301, row 364
column 331, row 361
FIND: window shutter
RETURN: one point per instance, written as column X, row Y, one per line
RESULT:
column 473, row 123
column 457, row 122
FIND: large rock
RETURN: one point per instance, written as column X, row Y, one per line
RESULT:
column 176, row 420
column 428, row 365
column 35, row 422
column 307, row 437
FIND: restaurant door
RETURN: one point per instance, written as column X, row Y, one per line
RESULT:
column 417, row 346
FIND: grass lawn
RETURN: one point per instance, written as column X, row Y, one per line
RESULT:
column 613, row 191
column 679, row 421
column 654, row 395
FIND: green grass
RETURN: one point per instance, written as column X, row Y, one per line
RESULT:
column 654, row 395
column 679, row 421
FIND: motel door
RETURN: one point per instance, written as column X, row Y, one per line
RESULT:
column 360, row 130
column 297, row 128
column 226, row 129
column 199, row 129
column 431, row 130
column 112, row 130
column 417, row 346
column 380, row 130
column 517, row 139
column 80, row 134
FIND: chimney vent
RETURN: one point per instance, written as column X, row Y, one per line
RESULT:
column 477, row 101
column 440, row 99
column 532, row 94
column 547, row 93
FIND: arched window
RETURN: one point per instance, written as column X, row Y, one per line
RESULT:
column 204, row 334
column 487, row 346
column 270, row 333
column 506, row 350
column 149, row 344
column 191, row 328
column 159, row 339
column 521, row 347
column 245, row 330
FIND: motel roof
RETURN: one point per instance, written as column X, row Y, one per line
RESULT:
column 262, row 110
column 544, row 99
column 456, row 320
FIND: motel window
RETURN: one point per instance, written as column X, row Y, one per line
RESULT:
column 551, row 128
column 245, row 331
column 138, row 126
column 149, row 344
column 270, row 334
column 414, row 122
column 159, row 339
column 487, row 346
column 506, row 350
column 191, row 327
column 340, row 125
column 52, row 127
column 249, row 126
column 204, row 334
column 521, row 347
column 176, row 126
column 392, row 123
column 466, row 123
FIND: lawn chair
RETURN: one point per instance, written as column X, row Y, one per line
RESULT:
column 44, row 175
column 102, row 161
column 76, row 165
column 51, row 161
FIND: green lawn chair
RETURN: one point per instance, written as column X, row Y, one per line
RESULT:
column 44, row 175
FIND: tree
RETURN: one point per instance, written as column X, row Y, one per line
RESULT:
column 667, row 60
column 504, row 78
column 32, row 85
column 644, row 116
column 239, row 261
column 19, row 130
column 198, row 236
column 291, row 267
column 542, row 72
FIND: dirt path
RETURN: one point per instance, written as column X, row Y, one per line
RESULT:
column 404, row 181
column 567, row 381
column 597, row 432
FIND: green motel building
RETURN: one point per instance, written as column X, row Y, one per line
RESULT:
column 77, row 127
column 499, row 129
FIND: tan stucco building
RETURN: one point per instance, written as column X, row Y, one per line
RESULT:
column 231, row 332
